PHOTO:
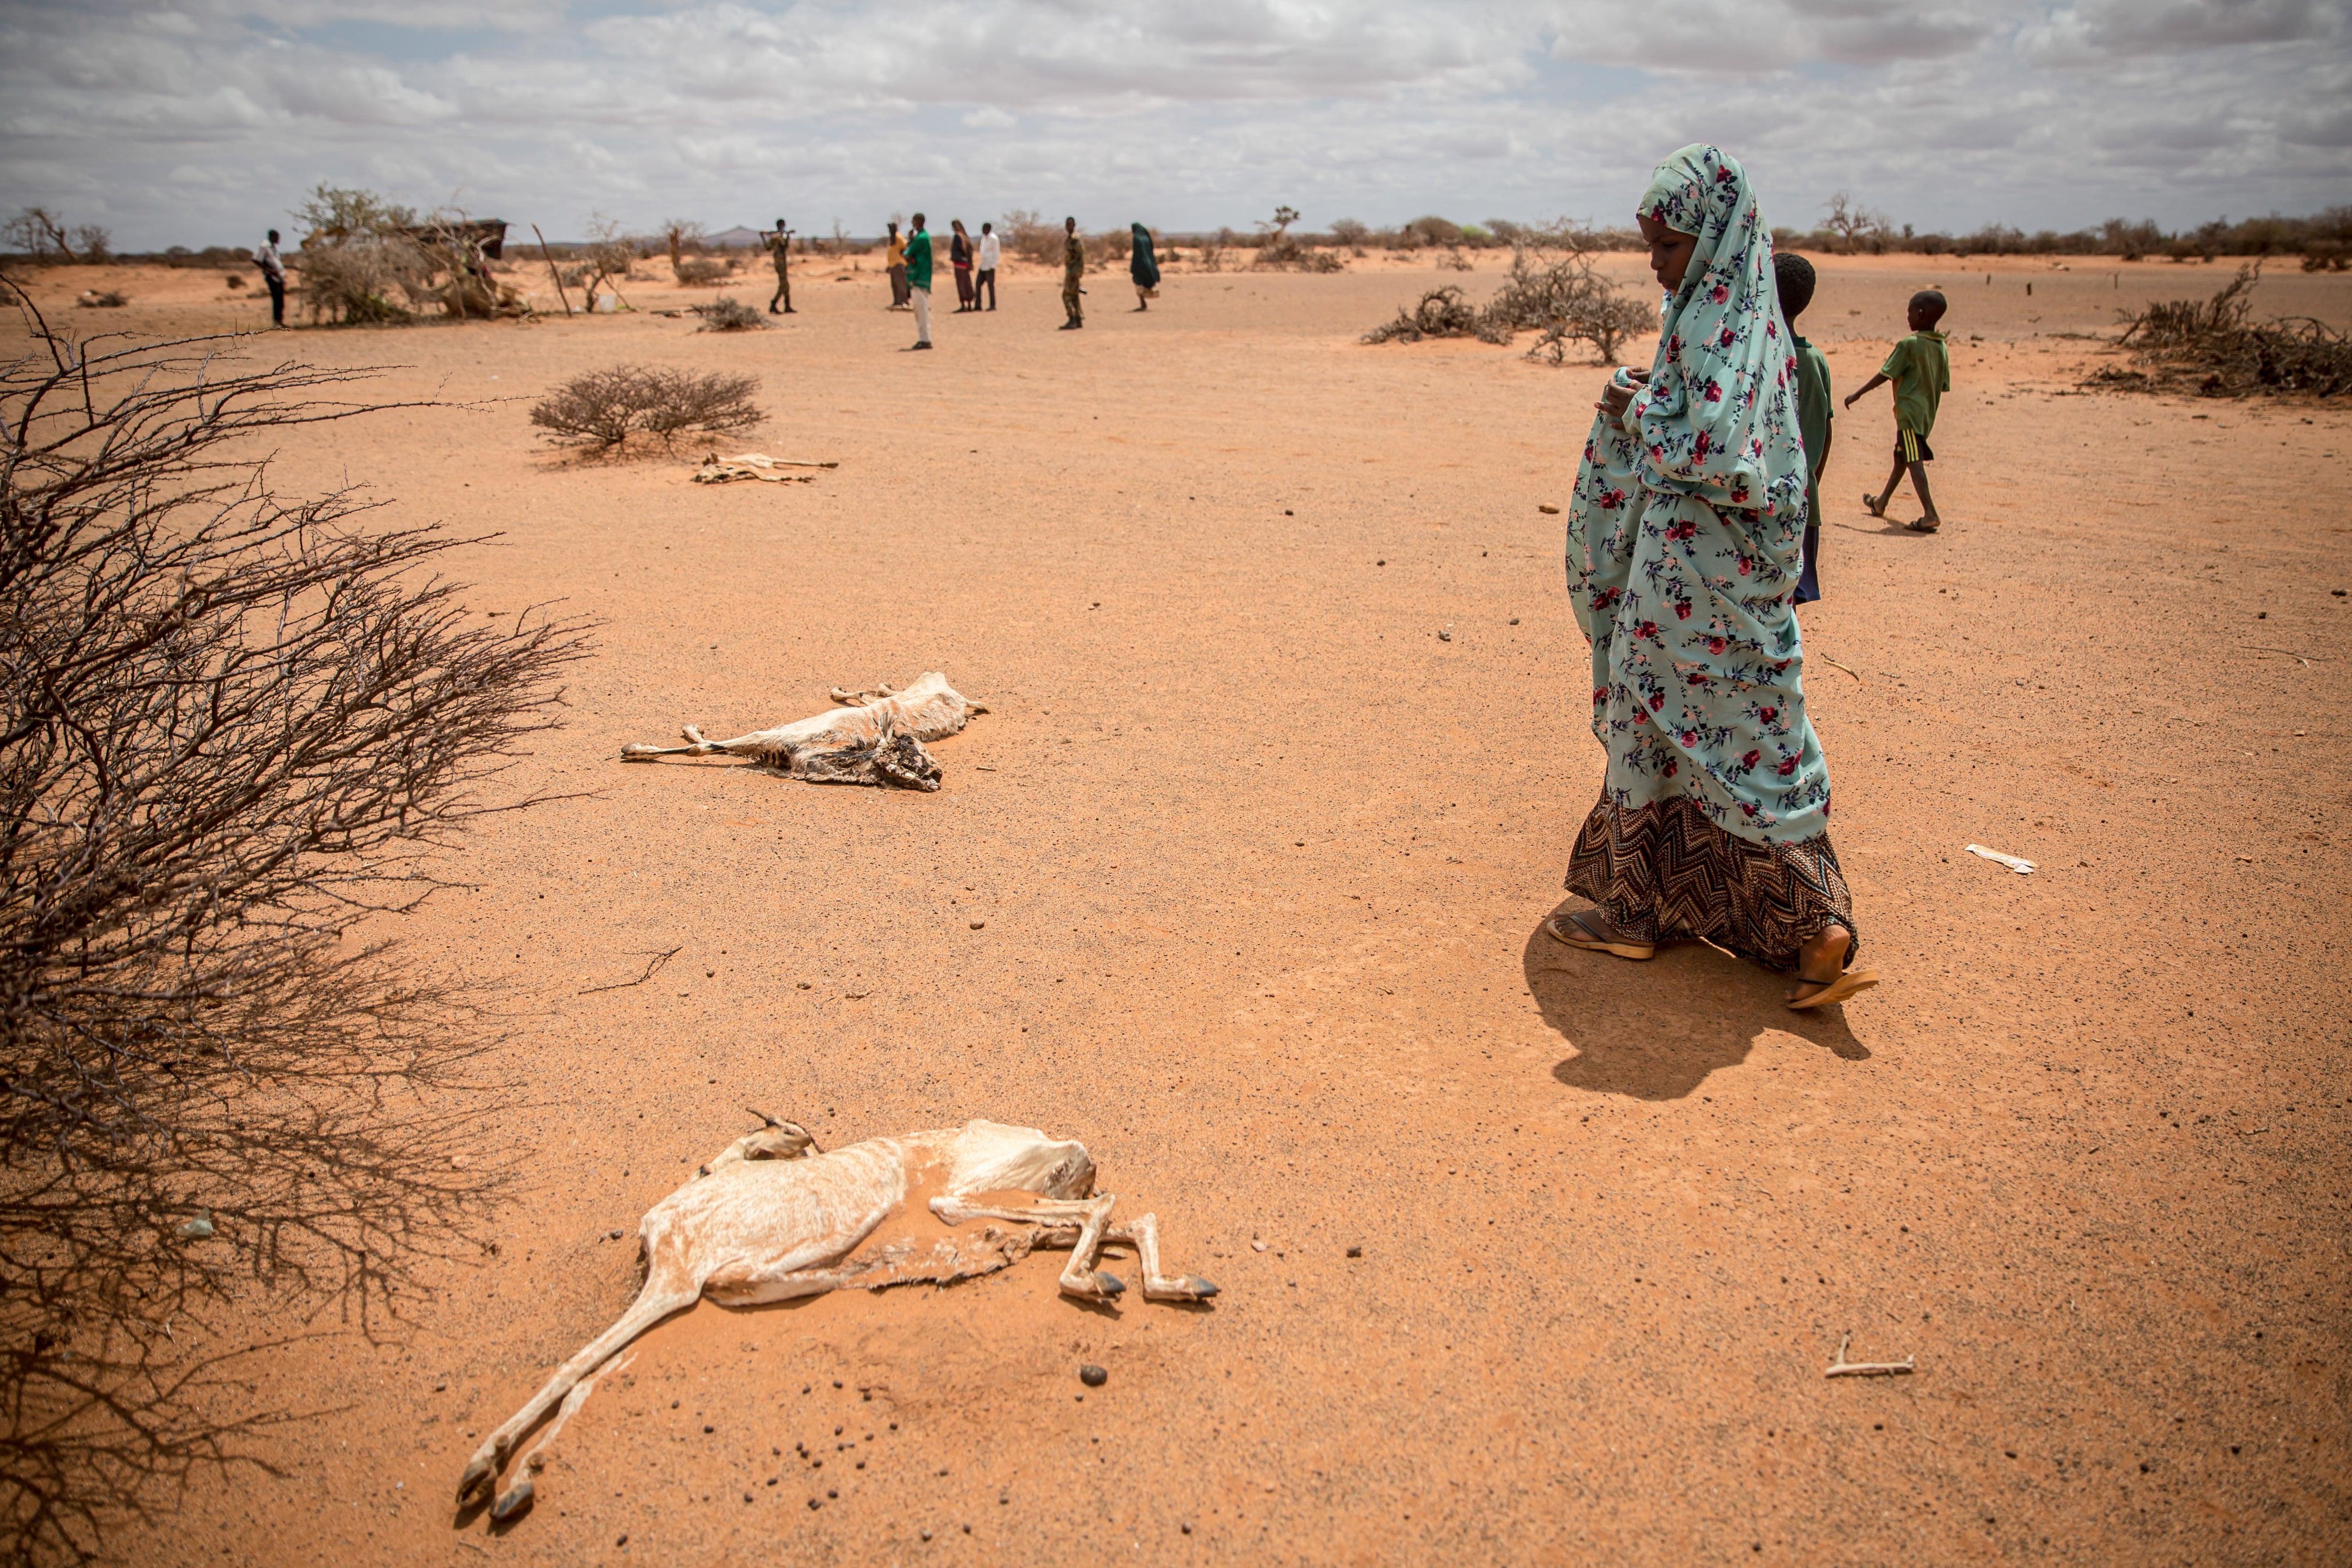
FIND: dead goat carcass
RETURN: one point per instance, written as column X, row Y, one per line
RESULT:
column 873, row 737
column 772, row 1217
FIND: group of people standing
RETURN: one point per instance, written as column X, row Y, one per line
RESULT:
column 909, row 257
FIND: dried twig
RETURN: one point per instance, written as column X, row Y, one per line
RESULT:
column 2302, row 659
column 653, row 967
column 1847, row 668
column 1844, row 1368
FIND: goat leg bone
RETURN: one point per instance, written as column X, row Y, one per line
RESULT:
column 657, row 1300
column 512, row 1500
column 1844, row 1368
column 1090, row 1216
column 1058, row 1221
column 1141, row 1234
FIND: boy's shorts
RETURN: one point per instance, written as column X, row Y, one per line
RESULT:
column 1912, row 448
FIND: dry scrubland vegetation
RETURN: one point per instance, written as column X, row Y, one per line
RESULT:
column 235, row 725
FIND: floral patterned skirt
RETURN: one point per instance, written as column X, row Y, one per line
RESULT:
column 1663, row 871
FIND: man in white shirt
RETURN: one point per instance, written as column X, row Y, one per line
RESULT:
column 992, row 250
column 273, row 272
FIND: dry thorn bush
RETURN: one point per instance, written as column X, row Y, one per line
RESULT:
column 238, row 727
column 728, row 314
column 601, row 409
column 2215, row 345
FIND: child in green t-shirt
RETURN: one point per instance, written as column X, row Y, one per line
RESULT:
column 1921, row 369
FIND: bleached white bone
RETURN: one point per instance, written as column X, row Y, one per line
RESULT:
column 873, row 738
column 770, row 1218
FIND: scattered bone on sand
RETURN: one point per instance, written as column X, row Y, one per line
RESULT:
column 2022, row 866
column 1844, row 1368
column 715, row 471
column 772, row 1217
column 873, row 737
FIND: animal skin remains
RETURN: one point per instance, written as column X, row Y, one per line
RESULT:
column 771, row 1217
column 875, row 737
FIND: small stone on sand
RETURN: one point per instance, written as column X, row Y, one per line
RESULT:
column 1355, row 1252
column 1257, row 1246
column 1546, row 507
column 1092, row 1375
column 977, row 924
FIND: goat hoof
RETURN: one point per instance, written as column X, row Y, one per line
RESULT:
column 477, row 1477
column 512, row 1502
column 1201, row 1289
column 1110, row 1285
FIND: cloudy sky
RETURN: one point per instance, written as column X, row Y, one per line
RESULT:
column 204, row 121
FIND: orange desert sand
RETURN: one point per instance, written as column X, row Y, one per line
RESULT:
column 1240, row 883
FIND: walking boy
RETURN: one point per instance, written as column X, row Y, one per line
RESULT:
column 1921, row 369
column 918, row 280
column 780, row 248
column 273, row 272
column 1074, row 267
column 992, row 251
column 1792, row 278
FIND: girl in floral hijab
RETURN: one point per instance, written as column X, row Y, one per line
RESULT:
column 1683, row 544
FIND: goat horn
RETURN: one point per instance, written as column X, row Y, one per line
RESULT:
column 763, row 1116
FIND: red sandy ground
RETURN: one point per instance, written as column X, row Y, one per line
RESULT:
column 1261, row 863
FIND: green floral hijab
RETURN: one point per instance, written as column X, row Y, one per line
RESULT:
column 1719, row 417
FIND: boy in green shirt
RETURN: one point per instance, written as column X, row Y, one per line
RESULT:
column 1921, row 369
column 1792, row 279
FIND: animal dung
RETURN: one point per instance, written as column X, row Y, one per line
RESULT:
column 1092, row 1375
column 977, row 924
column 1446, row 637
column 1546, row 507
column 1355, row 1252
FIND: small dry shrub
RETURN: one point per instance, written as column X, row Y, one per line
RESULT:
column 354, row 281
column 1441, row 313
column 236, row 280
column 728, row 314
column 701, row 271
column 601, row 409
column 1283, row 253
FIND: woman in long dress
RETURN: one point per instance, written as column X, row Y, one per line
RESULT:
column 1142, row 267
column 1684, row 548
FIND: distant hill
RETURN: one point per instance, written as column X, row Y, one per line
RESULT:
column 736, row 239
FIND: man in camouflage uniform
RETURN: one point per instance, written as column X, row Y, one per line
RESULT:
column 779, row 249
column 1074, row 267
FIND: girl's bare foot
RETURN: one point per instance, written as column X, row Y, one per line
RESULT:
column 1821, row 974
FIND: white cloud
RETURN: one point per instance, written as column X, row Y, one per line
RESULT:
column 1945, row 114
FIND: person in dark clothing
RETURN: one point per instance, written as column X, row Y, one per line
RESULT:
column 780, row 250
column 1143, row 269
column 273, row 272
column 1073, row 272
column 959, row 258
column 1792, row 282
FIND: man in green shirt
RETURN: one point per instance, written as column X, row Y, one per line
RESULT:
column 1792, row 278
column 1921, row 369
column 1074, row 267
column 918, row 280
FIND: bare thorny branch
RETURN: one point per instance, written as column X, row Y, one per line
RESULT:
column 232, row 727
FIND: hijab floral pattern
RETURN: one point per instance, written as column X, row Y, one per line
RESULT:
column 1685, row 533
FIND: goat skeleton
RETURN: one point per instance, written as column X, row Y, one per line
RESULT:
column 873, row 737
column 772, row 1217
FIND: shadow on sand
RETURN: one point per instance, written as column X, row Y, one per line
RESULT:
column 1655, row 1030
